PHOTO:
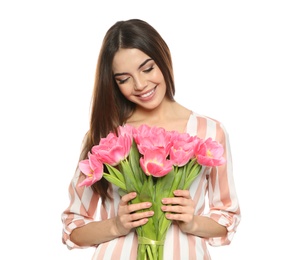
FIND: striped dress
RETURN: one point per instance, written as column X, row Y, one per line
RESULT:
column 213, row 192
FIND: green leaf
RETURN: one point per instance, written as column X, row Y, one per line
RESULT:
column 114, row 172
column 122, row 192
column 147, row 190
column 195, row 171
column 134, row 157
column 115, row 181
column 148, row 230
column 162, row 190
column 129, row 176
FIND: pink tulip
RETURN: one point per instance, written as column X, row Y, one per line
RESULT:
column 154, row 163
column 126, row 129
column 92, row 168
column 182, row 149
column 113, row 149
column 150, row 138
column 209, row 153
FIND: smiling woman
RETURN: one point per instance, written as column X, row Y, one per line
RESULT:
column 134, row 87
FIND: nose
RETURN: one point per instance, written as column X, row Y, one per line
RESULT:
column 139, row 83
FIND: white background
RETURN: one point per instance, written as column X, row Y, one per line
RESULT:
column 237, row 61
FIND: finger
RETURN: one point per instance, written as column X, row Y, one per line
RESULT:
column 182, row 193
column 178, row 208
column 139, row 206
column 126, row 198
column 177, row 200
column 141, row 215
column 136, row 219
column 177, row 217
column 135, row 224
column 175, row 209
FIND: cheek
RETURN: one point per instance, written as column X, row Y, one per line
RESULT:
column 126, row 91
column 158, row 76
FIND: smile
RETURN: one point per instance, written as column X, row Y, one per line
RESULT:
column 148, row 93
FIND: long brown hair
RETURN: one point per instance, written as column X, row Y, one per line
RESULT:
column 109, row 108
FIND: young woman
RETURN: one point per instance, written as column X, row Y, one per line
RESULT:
column 134, row 85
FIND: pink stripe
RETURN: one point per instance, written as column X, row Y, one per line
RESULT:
column 93, row 204
column 201, row 127
column 112, row 210
column 104, row 213
column 102, row 251
column 80, row 190
column 198, row 193
column 225, row 196
column 206, row 255
column 191, row 245
column 176, row 249
column 72, row 197
column 191, row 239
column 133, row 253
column 118, row 248
column 221, row 170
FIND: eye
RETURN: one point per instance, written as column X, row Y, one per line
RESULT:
column 122, row 81
column 149, row 69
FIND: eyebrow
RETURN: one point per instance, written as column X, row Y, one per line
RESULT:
column 124, row 73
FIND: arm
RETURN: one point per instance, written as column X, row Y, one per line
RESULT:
column 80, row 229
column 94, row 233
column 223, row 200
column 97, row 232
column 219, row 225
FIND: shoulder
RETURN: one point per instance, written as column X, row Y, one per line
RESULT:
column 205, row 126
column 205, row 117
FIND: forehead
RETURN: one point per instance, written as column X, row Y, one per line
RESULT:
column 128, row 59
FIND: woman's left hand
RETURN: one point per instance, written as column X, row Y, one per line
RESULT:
column 180, row 208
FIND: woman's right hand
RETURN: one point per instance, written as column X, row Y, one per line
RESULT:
column 127, row 216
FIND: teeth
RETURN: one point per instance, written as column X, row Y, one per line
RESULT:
column 148, row 94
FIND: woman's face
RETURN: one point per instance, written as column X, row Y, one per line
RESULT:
column 139, row 78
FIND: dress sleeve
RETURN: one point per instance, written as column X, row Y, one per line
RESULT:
column 223, row 201
column 81, row 210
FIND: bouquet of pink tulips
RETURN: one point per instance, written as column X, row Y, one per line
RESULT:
column 152, row 162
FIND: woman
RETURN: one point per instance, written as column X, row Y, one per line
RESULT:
column 134, row 85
